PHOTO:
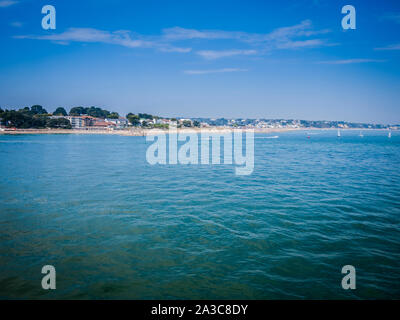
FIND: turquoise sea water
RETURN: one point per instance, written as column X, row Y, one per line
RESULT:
column 116, row 227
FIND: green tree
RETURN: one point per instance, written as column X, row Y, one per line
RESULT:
column 60, row 112
column 26, row 111
column 39, row 121
column 22, row 119
column 113, row 115
column 187, row 123
column 133, row 119
column 37, row 109
column 93, row 112
column 13, row 118
column 59, row 123
column 97, row 112
column 145, row 116
column 77, row 111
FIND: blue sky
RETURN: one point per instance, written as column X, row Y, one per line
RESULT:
column 250, row 59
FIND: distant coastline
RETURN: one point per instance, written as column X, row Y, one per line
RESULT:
column 150, row 131
column 137, row 132
column 94, row 120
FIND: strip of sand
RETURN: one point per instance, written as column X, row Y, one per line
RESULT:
column 144, row 132
column 140, row 132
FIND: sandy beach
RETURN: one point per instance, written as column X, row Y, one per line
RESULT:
column 142, row 132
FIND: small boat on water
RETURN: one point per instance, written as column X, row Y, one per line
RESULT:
column 390, row 134
column 338, row 133
column 272, row 137
column 361, row 134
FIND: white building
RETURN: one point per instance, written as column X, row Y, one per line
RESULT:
column 162, row 121
column 148, row 121
column 120, row 123
column 76, row 122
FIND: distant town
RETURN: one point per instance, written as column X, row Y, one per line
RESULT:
column 94, row 118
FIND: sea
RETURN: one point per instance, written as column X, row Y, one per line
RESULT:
column 116, row 227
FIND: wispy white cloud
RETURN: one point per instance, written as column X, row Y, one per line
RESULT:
column 281, row 34
column 350, row 61
column 215, row 54
column 121, row 38
column 178, row 33
column 175, row 49
column 395, row 17
column 291, row 37
column 7, row 3
column 302, row 44
column 214, row 71
column 16, row 24
column 389, row 47
column 274, row 38
column 285, row 38
column 92, row 35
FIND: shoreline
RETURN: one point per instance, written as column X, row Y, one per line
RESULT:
column 138, row 132
column 144, row 132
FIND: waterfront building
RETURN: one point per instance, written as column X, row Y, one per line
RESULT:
column 76, row 122
column 119, row 123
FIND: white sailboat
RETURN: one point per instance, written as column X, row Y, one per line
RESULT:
column 390, row 134
column 338, row 133
column 361, row 134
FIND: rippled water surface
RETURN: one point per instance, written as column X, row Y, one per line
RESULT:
column 116, row 227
